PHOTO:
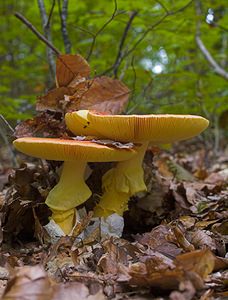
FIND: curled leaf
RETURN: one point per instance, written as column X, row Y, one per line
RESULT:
column 70, row 67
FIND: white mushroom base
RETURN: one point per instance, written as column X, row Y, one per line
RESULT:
column 108, row 226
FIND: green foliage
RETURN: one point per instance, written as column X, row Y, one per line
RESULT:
column 160, row 63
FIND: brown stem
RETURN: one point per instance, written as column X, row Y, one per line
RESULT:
column 101, row 29
column 122, row 41
column 37, row 33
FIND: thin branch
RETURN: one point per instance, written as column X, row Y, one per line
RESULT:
column 50, row 14
column 101, row 29
column 221, row 27
column 47, row 34
column 63, row 17
column 37, row 33
column 122, row 41
column 6, row 132
column 168, row 13
column 219, row 70
column 145, row 33
column 163, row 6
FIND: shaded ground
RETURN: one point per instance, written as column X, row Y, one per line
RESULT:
column 174, row 243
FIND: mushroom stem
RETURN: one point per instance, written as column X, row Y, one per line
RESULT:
column 112, row 202
column 120, row 183
column 70, row 192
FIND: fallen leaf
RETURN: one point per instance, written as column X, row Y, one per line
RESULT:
column 201, row 239
column 28, row 283
column 53, row 100
column 218, row 178
column 74, row 291
column 45, row 124
column 158, row 240
column 181, row 239
column 186, row 291
column 69, row 67
column 201, row 262
column 142, row 275
column 179, row 172
column 187, row 221
column 32, row 283
column 104, row 94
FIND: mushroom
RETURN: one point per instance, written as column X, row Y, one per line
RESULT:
column 127, row 179
column 71, row 189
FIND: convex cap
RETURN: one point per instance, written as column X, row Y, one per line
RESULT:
column 71, row 150
column 157, row 128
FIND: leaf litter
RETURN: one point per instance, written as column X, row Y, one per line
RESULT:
column 174, row 244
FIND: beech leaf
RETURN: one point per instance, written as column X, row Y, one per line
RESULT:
column 69, row 67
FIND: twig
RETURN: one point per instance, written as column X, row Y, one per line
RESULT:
column 168, row 13
column 122, row 41
column 63, row 17
column 134, row 75
column 37, row 33
column 144, row 34
column 218, row 70
column 163, row 6
column 47, row 34
column 6, row 132
column 101, row 29
column 50, row 14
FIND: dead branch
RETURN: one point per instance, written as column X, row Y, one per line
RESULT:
column 101, row 29
column 6, row 132
column 37, row 33
column 145, row 33
column 122, row 41
column 47, row 34
column 218, row 70
column 63, row 17
column 50, row 14
column 167, row 14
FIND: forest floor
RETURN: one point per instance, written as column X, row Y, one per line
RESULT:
column 174, row 244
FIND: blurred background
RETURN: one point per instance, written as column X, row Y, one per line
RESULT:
column 171, row 54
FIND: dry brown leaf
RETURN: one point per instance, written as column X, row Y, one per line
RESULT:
column 157, row 240
column 28, row 283
column 182, row 240
column 54, row 99
column 186, row 291
column 220, row 263
column 142, row 275
column 221, row 228
column 201, row 239
column 201, row 262
column 45, row 124
column 104, row 94
column 115, row 253
column 69, row 67
column 74, row 291
column 32, row 283
column 219, row 178
column 187, row 221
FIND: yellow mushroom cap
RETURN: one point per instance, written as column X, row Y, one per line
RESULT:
column 71, row 150
column 78, row 123
column 161, row 128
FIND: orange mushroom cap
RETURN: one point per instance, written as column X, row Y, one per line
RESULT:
column 71, row 150
column 161, row 128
